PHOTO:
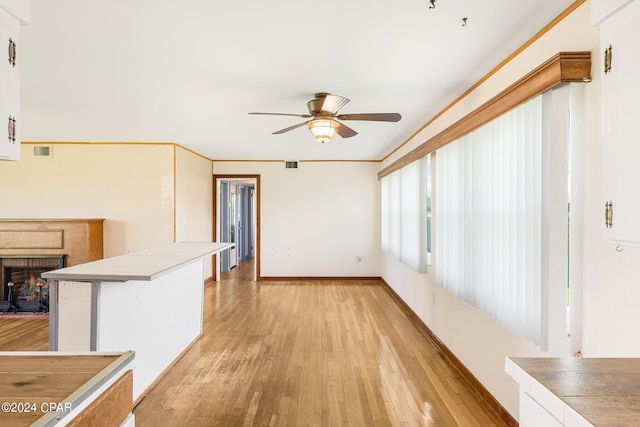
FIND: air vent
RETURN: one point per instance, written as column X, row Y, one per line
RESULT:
column 42, row 151
column 291, row 164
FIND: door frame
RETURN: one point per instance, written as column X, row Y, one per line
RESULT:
column 233, row 223
column 257, row 192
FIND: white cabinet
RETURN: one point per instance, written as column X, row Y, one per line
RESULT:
column 602, row 9
column 532, row 414
column 20, row 9
column 9, row 86
column 539, row 406
column 620, row 35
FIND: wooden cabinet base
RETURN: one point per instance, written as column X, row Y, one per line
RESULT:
column 63, row 389
column 111, row 408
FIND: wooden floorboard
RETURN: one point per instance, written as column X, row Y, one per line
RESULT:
column 325, row 353
column 301, row 353
column 24, row 333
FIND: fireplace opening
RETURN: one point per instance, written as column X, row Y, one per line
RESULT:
column 22, row 289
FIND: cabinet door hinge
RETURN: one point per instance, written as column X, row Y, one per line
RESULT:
column 607, row 59
column 608, row 214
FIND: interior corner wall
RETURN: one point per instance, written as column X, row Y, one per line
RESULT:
column 477, row 340
column 320, row 220
column 129, row 185
column 194, row 200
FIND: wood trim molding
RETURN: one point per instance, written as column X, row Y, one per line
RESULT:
column 317, row 279
column 483, row 393
column 300, row 160
column 564, row 67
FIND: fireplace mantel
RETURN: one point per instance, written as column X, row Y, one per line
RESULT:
column 79, row 240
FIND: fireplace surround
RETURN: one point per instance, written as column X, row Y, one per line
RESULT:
column 29, row 247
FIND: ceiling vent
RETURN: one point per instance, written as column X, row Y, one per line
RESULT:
column 291, row 164
column 42, row 151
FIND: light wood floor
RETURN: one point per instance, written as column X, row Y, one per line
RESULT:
column 324, row 353
column 25, row 334
column 327, row 353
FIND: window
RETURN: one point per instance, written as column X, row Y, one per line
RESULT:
column 403, row 215
column 501, row 218
column 488, row 218
column 559, row 267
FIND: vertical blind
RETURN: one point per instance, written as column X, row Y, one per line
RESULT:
column 401, row 215
column 488, row 218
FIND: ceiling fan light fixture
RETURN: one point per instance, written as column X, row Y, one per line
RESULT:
column 323, row 129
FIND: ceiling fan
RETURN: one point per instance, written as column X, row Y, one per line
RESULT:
column 324, row 124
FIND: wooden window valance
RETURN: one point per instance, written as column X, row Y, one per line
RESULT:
column 565, row 67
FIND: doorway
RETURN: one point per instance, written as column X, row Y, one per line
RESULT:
column 237, row 220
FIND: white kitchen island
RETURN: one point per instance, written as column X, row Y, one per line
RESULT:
column 148, row 301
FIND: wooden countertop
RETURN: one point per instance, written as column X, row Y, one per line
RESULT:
column 145, row 265
column 605, row 391
column 34, row 384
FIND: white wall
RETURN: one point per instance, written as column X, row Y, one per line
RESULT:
column 610, row 279
column 317, row 219
column 123, row 183
column 194, row 200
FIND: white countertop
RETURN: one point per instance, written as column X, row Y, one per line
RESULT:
column 146, row 264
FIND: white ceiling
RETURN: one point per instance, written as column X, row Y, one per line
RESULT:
column 190, row 71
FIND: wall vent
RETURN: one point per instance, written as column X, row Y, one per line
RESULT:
column 42, row 151
column 291, row 164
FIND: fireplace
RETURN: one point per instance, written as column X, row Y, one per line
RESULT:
column 21, row 287
column 29, row 247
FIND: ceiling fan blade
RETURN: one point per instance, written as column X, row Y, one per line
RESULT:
column 306, row 116
column 289, row 128
column 332, row 103
column 374, row 117
column 345, row 131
